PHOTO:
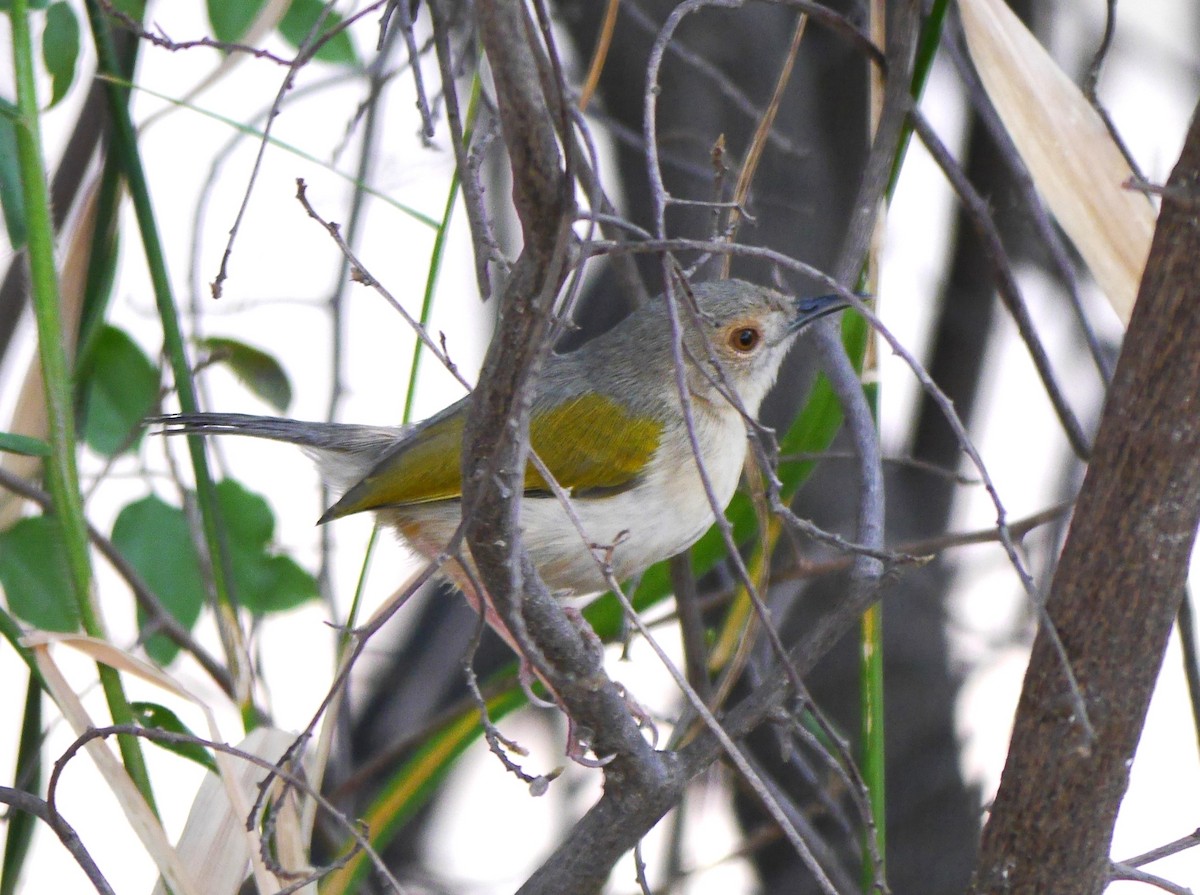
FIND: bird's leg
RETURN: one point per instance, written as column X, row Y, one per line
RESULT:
column 578, row 737
column 639, row 713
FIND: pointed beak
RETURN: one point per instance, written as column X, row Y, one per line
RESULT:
column 810, row 309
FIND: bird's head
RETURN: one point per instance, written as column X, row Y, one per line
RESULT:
column 748, row 330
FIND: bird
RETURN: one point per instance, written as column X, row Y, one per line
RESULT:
column 607, row 421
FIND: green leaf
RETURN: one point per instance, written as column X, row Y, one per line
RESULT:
column 247, row 516
column 284, row 585
column 12, row 197
column 23, row 444
column 254, row 368
column 153, row 716
column 35, row 574
column 298, row 23
column 265, row 582
column 60, row 48
column 6, row 5
column 154, row 538
column 231, row 19
column 120, row 387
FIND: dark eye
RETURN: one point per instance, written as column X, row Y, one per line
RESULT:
column 744, row 339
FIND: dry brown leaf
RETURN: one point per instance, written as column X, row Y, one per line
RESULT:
column 145, row 825
column 215, row 846
column 214, row 840
column 29, row 414
column 1077, row 167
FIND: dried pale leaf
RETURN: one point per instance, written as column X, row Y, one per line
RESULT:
column 112, row 656
column 214, row 838
column 102, row 651
column 29, row 415
column 292, row 838
column 1076, row 166
column 141, row 819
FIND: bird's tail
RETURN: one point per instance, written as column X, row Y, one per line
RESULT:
column 344, row 453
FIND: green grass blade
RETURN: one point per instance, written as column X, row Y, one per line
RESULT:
column 61, row 471
column 413, row 783
column 126, row 150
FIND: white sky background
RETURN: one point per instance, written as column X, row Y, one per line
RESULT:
column 283, row 268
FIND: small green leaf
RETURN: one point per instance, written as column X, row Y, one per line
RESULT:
column 23, row 444
column 60, row 48
column 231, row 19
column 120, row 388
column 153, row 716
column 12, row 197
column 36, row 576
column 254, row 368
column 247, row 515
column 154, row 538
column 6, row 5
column 264, row 582
column 298, row 23
column 284, row 585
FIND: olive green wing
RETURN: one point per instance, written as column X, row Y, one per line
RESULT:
column 590, row 443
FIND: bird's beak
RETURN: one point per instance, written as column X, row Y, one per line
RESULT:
column 810, row 309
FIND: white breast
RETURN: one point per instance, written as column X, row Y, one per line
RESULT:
column 665, row 513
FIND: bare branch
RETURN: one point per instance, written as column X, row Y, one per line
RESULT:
column 1116, row 590
column 31, row 804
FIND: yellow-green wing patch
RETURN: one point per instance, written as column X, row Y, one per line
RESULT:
column 588, row 443
column 421, row 470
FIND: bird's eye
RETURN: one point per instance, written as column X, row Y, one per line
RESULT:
column 744, row 339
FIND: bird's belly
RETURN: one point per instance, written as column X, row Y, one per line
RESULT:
column 629, row 531
column 625, row 533
column 664, row 514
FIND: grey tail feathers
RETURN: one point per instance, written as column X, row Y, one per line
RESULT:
column 317, row 435
column 343, row 453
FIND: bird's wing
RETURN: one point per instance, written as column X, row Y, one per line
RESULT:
column 590, row 443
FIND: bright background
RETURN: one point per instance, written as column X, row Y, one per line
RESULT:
column 283, row 270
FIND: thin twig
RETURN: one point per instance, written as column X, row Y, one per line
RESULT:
column 308, row 49
column 414, row 61
column 766, row 122
column 498, row 743
column 599, row 54
column 1091, row 84
column 483, row 239
column 296, row 779
column 160, row 39
column 1183, row 843
column 44, row 811
column 1124, row 871
column 1031, row 202
column 691, row 624
column 977, row 211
